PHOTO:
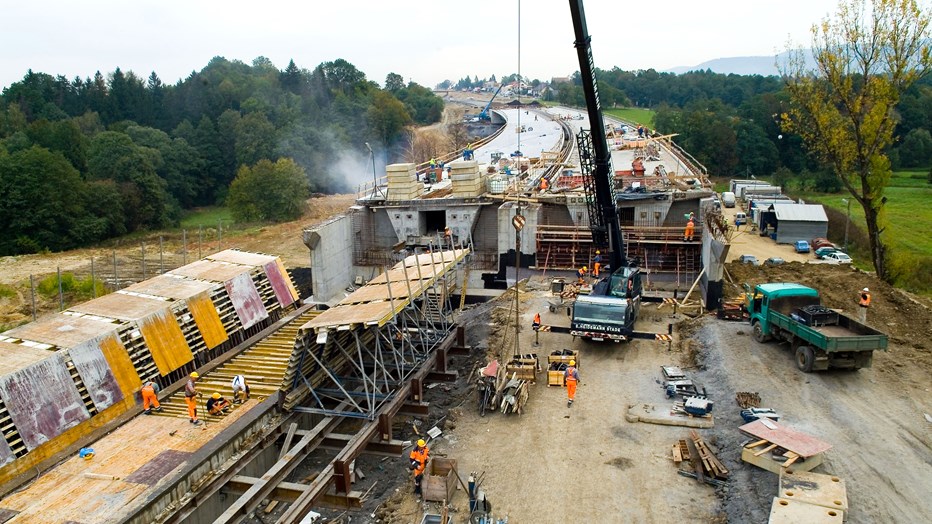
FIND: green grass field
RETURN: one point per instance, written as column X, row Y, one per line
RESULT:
column 633, row 114
column 206, row 217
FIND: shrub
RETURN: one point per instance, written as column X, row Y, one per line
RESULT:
column 73, row 288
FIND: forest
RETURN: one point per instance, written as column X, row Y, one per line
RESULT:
column 85, row 160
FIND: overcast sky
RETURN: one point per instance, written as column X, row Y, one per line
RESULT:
column 424, row 41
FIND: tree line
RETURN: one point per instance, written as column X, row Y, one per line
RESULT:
column 732, row 123
column 88, row 159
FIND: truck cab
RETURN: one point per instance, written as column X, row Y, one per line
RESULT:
column 601, row 318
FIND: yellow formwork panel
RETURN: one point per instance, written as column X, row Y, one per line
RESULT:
column 207, row 320
column 287, row 278
column 121, row 366
column 166, row 342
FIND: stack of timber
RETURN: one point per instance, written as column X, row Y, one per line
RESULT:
column 466, row 180
column 402, row 182
column 524, row 367
column 706, row 461
column 747, row 399
column 514, row 395
column 780, row 447
column 733, row 310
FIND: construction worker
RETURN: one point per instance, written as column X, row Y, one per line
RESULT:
column 596, row 264
column 688, row 233
column 150, row 391
column 581, row 275
column 571, row 378
column 448, row 236
column 190, row 397
column 216, row 404
column 864, row 302
column 536, row 324
column 419, row 457
column 240, row 389
column 544, row 184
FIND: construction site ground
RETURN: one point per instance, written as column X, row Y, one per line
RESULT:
column 587, row 462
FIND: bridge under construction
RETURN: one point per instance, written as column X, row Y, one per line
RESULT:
column 68, row 380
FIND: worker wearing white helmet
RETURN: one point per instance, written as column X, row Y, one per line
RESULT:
column 864, row 302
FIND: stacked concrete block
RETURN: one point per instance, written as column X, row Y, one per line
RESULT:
column 466, row 180
column 402, row 182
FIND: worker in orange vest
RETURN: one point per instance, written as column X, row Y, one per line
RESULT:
column 581, row 274
column 190, row 397
column 419, row 457
column 688, row 234
column 536, row 324
column 571, row 378
column 864, row 302
column 544, row 184
column 596, row 264
column 150, row 391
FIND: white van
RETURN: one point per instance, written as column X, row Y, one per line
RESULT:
column 728, row 198
column 740, row 218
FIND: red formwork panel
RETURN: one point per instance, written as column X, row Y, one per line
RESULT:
column 42, row 400
column 246, row 300
column 95, row 372
column 279, row 284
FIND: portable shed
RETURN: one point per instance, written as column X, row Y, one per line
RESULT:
column 799, row 222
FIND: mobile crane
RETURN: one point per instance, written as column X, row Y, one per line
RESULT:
column 484, row 115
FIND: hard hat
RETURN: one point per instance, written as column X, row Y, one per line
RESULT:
column 572, row 362
column 421, row 443
column 215, row 396
column 584, row 268
column 865, row 290
column 194, row 375
column 598, row 252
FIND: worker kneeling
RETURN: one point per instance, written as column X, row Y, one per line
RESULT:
column 216, row 404
column 419, row 457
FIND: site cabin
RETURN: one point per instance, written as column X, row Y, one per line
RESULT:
column 820, row 337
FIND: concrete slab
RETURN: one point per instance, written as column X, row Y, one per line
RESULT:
column 790, row 511
column 651, row 414
column 817, row 489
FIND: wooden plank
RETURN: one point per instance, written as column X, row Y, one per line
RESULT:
column 756, row 443
column 14, row 357
column 246, row 300
column 677, row 456
column 786, row 511
column 120, row 365
column 799, row 443
column 207, row 320
column 286, row 445
column 288, row 282
column 279, row 287
column 168, row 286
column 246, row 258
column 95, row 372
column 121, row 306
column 42, row 400
column 764, row 450
column 62, row 331
column 211, row 270
column 165, row 341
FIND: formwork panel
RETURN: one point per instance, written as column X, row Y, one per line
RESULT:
column 291, row 289
column 234, row 256
column 165, row 341
column 14, row 357
column 278, row 280
column 42, row 400
column 170, row 287
column 207, row 320
column 120, row 306
column 63, row 331
column 246, row 300
column 211, row 270
column 120, row 365
column 95, row 372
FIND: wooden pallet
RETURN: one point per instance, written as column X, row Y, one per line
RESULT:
column 711, row 465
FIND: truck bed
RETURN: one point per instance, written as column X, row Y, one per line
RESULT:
column 847, row 335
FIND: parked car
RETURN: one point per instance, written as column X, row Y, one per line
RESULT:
column 749, row 259
column 837, row 257
column 822, row 251
column 740, row 218
column 818, row 242
column 774, row 261
column 801, row 246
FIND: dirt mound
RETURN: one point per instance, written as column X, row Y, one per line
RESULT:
column 905, row 318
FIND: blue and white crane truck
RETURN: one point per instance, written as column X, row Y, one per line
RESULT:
column 820, row 337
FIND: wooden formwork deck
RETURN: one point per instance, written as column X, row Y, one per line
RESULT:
column 130, row 462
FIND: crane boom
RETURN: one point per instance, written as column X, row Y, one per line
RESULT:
column 484, row 115
column 595, row 157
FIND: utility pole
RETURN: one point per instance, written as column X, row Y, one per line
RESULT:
column 847, row 221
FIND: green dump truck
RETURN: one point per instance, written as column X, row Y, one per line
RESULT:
column 819, row 336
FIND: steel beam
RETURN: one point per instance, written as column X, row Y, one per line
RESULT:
column 290, row 491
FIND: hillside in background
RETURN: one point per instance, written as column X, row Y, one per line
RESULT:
column 739, row 65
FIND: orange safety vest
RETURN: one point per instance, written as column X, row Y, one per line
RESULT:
column 865, row 300
column 570, row 374
column 421, row 456
column 537, row 319
column 544, row 184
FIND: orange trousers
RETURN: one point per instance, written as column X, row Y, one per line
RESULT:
column 570, row 388
column 192, row 407
column 149, row 398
